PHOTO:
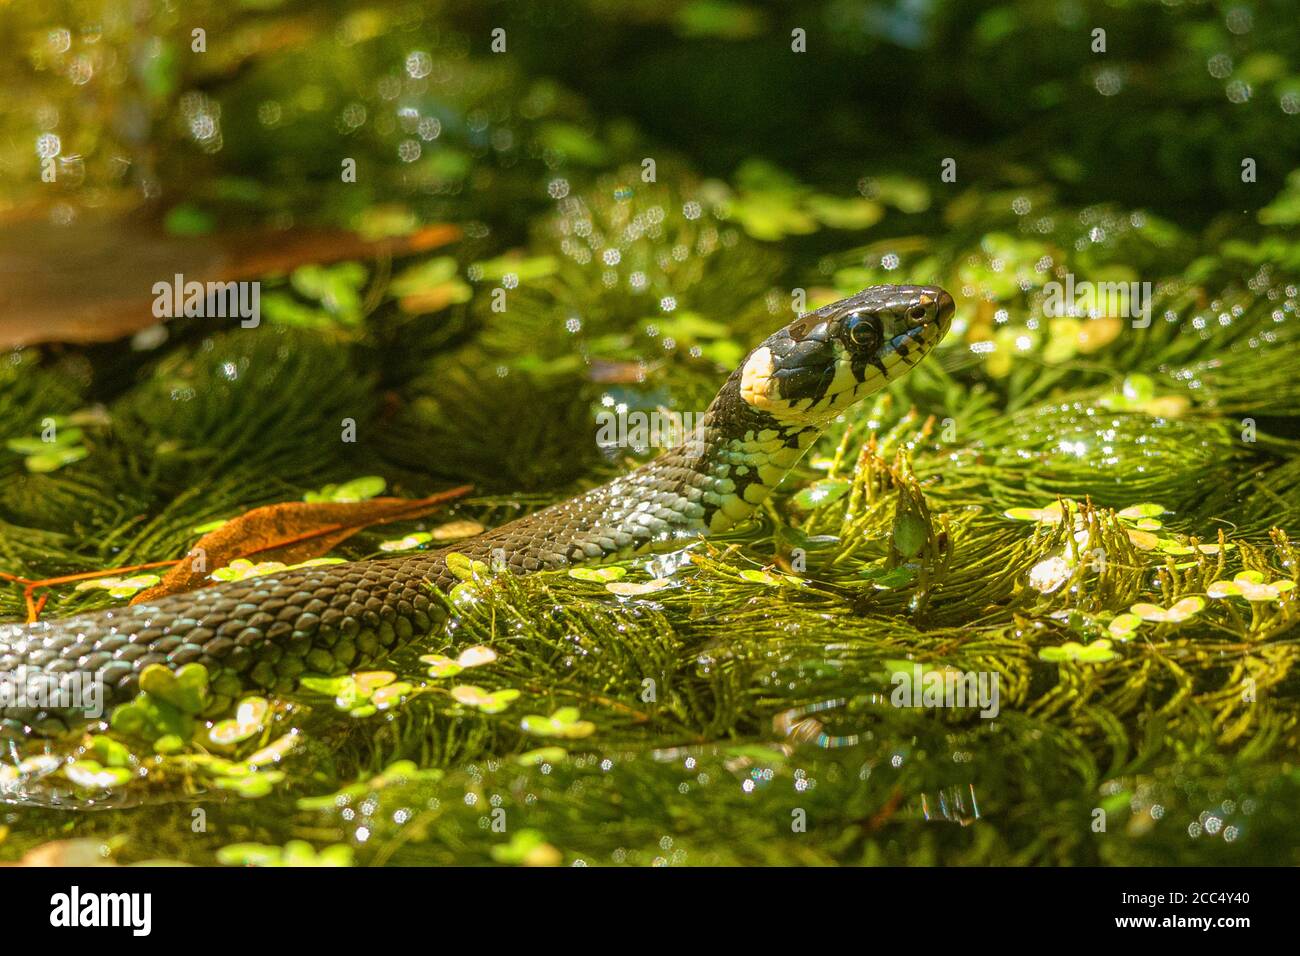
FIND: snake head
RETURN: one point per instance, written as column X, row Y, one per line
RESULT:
column 824, row 361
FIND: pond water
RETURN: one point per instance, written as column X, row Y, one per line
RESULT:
column 1033, row 602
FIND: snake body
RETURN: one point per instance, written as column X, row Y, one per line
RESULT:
column 265, row 632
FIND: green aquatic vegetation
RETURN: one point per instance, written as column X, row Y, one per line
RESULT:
column 769, row 579
column 705, row 697
column 598, row 575
column 1138, row 522
column 321, row 298
column 91, row 775
column 637, row 588
column 249, row 720
column 824, row 492
column 62, row 439
column 573, row 143
column 163, row 713
column 336, row 288
column 241, row 569
column 770, row 204
column 1138, row 394
column 449, row 531
column 252, row 777
column 718, row 18
column 1182, row 611
column 540, row 756
column 465, row 568
column 430, row 286
column 1202, row 327
column 120, row 587
column 293, row 853
column 1251, row 586
column 110, row 752
column 361, row 694
column 42, row 455
column 1098, row 652
column 358, row 489
column 168, row 714
column 440, row 666
column 564, row 723
column 657, row 265
column 398, row 773
column 165, row 717
column 246, row 786
column 886, row 578
column 517, row 268
column 528, row 848
column 26, row 772
column 490, row 702
column 408, row 542
column 1125, row 626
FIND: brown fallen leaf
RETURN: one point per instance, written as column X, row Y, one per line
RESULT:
column 607, row 372
column 93, row 282
column 291, row 532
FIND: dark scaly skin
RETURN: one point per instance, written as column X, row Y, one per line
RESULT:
column 265, row 632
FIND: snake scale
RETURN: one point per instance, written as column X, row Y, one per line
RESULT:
column 265, row 632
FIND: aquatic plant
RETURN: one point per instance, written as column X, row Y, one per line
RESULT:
column 1098, row 513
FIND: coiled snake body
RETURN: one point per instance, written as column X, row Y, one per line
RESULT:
column 265, row 632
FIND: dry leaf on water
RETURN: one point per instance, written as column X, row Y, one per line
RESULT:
column 94, row 283
column 291, row 532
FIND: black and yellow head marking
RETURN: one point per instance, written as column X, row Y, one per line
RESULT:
column 824, row 361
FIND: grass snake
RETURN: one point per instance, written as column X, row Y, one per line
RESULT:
column 265, row 632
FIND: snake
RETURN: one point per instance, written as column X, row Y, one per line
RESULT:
column 266, row 632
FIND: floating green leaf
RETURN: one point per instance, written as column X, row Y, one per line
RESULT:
column 110, row 752
column 252, row 786
column 529, row 848
column 1181, row 611
column 635, row 588
column 293, row 853
column 490, row 702
column 241, row 569
column 250, row 718
column 564, row 723
column 94, row 776
column 824, row 492
column 885, row 578
column 1124, row 626
column 541, row 755
column 358, row 489
column 120, row 587
column 477, row 656
column 1095, row 653
column 597, row 575
column 1251, row 586
column 465, row 568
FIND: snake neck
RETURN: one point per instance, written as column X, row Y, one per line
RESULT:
column 712, row 481
column 742, row 452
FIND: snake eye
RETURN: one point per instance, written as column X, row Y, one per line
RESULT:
column 916, row 312
column 863, row 330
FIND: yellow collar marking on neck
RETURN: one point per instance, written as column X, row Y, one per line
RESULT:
column 756, row 383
